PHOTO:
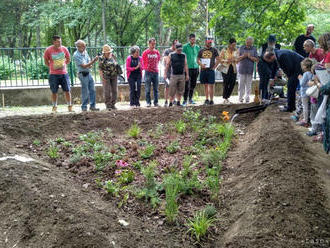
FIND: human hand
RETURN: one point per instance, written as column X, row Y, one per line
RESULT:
column 300, row 76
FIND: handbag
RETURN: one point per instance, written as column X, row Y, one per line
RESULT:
column 222, row 68
column 313, row 91
column 119, row 70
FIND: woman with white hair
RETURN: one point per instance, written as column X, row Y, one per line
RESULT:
column 108, row 74
column 134, row 75
column 314, row 53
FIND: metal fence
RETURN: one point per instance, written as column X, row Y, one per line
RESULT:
column 24, row 67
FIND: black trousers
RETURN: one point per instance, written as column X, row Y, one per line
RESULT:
column 229, row 81
column 190, row 84
column 135, row 90
column 292, row 84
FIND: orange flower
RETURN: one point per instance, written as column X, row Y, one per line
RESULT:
column 225, row 116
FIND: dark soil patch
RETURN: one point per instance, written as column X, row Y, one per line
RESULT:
column 271, row 194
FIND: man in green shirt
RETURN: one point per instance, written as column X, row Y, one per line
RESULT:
column 191, row 50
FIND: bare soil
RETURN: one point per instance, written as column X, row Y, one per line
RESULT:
column 274, row 193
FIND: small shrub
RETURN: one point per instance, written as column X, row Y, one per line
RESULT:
column 101, row 159
column 36, row 142
column 210, row 211
column 137, row 165
column 213, row 181
column 59, row 140
column 212, row 158
column 112, row 188
column 173, row 147
column 199, row 225
column 159, row 130
column 180, row 127
column 75, row 158
column 189, row 176
column 134, row 131
column 67, row 144
column 90, row 138
column 126, row 176
column 36, row 68
column 172, row 184
column 7, row 68
column 147, row 152
column 53, row 151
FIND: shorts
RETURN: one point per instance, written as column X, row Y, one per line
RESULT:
column 177, row 84
column 55, row 80
column 207, row 77
column 167, row 83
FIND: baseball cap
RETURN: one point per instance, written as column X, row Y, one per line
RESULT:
column 272, row 38
column 209, row 39
column 178, row 46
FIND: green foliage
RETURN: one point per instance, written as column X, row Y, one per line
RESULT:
column 199, row 225
column 180, row 126
column 149, row 192
column 36, row 142
column 76, row 158
column 189, row 176
column 173, row 147
column 172, row 184
column 126, row 176
column 53, row 151
column 137, row 165
column 36, row 68
column 134, row 131
column 213, row 181
column 7, row 68
column 147, row 152
column 67, row 144
column 112, row 188
column 210, row 211
column 211, row 158
column 90, row 138
column 59, row 140
column 101, row 159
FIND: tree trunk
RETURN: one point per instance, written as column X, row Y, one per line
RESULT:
column 103, row 22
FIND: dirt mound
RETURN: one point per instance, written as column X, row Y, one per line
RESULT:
column 271, row 195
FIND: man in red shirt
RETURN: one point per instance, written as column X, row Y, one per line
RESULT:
column 56, row 58
column 314, row 53
column 151, row 58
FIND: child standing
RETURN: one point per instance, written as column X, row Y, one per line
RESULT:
column 306, row 66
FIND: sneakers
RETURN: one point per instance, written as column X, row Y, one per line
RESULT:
column 184, row 103
column 207, row 102
column 302, row 124
column 192, row 102
column 178, row 104
column 113, row 107
column 241, row 100
column 94, row 109
column 311, row 133
column 148, row 105
column 171, row 104
column 54, row 109
column 166, row 104
column 70, row 108
column 211, row 102
column 294, row 118
column 156, row 104
column 225, row 101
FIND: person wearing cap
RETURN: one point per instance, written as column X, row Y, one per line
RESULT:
column 108, row 74
column 177, row 61
column 56, row 57
column 191, row 50
column 247, row 57
column 167, row 52
column 151, row 58
column 134, row 75
column 299, row 42
column 208, row 59
column 84, row 63
column 314, row 53
column 265, row 68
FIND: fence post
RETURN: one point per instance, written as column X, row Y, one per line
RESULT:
column 71, row 68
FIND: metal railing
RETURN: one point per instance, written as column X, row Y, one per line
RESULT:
column 24, row 67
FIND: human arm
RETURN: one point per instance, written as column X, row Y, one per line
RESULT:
column 186, row 69
column 199, row 60
column 217, row 60
column 303, row 80
column 46, row 58
column 67, row 56
column 253, row 57
column 167, row 65
column 128, row 64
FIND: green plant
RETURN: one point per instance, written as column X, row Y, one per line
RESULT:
column 90, row 138
column 134, row 131
column 147, row 152
column 59, row 140
column 213, row 181
column 126, row 176
column 67, row 144
column 112, row 188
column 109, row 132
column 53, row 151
column 199, row 225
column 36, row 142
column 137, row 165
column 36, row 68
column 210, row 211
column 7, row 68
column 173, row 147
column 189, row 176
column 75, row 158
column 159, row 130
column 101, row 159
column 180, row 126
column 212, row 158
column 172, row 183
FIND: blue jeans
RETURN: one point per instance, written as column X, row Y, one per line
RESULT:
column 87, row 91
column 151, row 77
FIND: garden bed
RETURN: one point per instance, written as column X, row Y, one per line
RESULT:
column 151, row 178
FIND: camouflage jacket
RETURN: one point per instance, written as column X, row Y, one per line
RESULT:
column 108, row 67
